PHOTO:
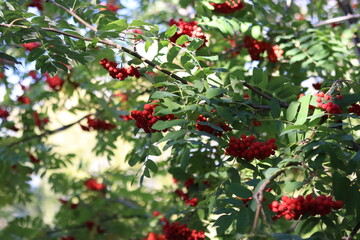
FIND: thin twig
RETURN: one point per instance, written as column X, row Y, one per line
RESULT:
column 353, row 232
column 46, row 133
column 257, row 91
column 109, row 43
column 337, row 19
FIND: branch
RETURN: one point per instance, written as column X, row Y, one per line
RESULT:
column 258, row 92
column 337, row 19
column 124, row 49
column 347, row 9
column 353, row 232
column 46, row 133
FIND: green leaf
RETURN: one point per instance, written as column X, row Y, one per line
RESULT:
column 292, row 186
column 233, row 175
column 304, row 109
column 213, row 92
column 275, row 108
column 223, row 223
column 297, row 58
column 151, row 165
column 182, row 40
column 35, row 54
column 161, row 125
column 118, row 25
column 256, row 31
column 292, row 110
column 173, row 135
column 162, row 94
column 173, row 53
column 239, row 190
column 171, row 31
column 8, row 57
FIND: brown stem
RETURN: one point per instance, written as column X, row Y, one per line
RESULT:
column 46, row 133
column 258, row 92
column 353, row 232
column 337, row 19
column 109, row 43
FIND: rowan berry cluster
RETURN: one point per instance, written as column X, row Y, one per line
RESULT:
column 146, row 119
column 37, row 4
column 154, row 236
column 90, row 225
column 256, row 123
column 67, row 238
column 33, row 159
column 93, row 185
column 256, row 48
column 187, row 28
column 111, row 4
column 180, row 231
column 40, row 122
column 209, row 129
column 325, row 103
column 24, row 99
column 30, row 46
column 229, row 6
column 119, row 73
column 249, row 149
column 4, row 113
column 55, row 82
column 354, row 108
column 97, row 124
column 293, row 208
column 185, row 197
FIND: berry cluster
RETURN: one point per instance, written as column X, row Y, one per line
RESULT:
column 97, row 124
column 119, row 73
column 33, row 159
column 248, row 148
column 40, row 122
column 24, row 99
column 154, row 236
column 90, row 225
column 256, row 123
column 228, row 6
column 185, row 197
column 210, row 130
column 328, row 106
column 67, row 238
column 355, row 108
column 30, row 46
column 4, row 113
column 293, row 208
column 317, row 86
column 146, row 119
column 178, row 231
column 111, row 4
column 55, row 83
column 256, row 48
column 37, row 4
column 93, row 185
column 187, row 28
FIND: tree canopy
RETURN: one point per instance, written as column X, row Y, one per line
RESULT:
column 235, row 119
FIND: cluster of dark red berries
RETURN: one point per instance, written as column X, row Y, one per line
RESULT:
column 33, row 159
column 209, row 129
column 256, row 123
column 178, row 231
column 228, row 6
column 146, row 119
column 293, row 208
column 187, row 28
column 90, row 225
column 97, row 124
column 40, row 122
column 65, row 202
column 248, row 148
column 4, row 114
column 24, row 99
column 30, row 46
column 93, row 185
column 67, row 238
column 256, row 48
column 354, row 108
column 154, row 236
column 120, row 73
column 324, row 102
column 55, row 83
column 37, row 4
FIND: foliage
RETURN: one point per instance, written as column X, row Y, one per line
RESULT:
column 245, row 104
